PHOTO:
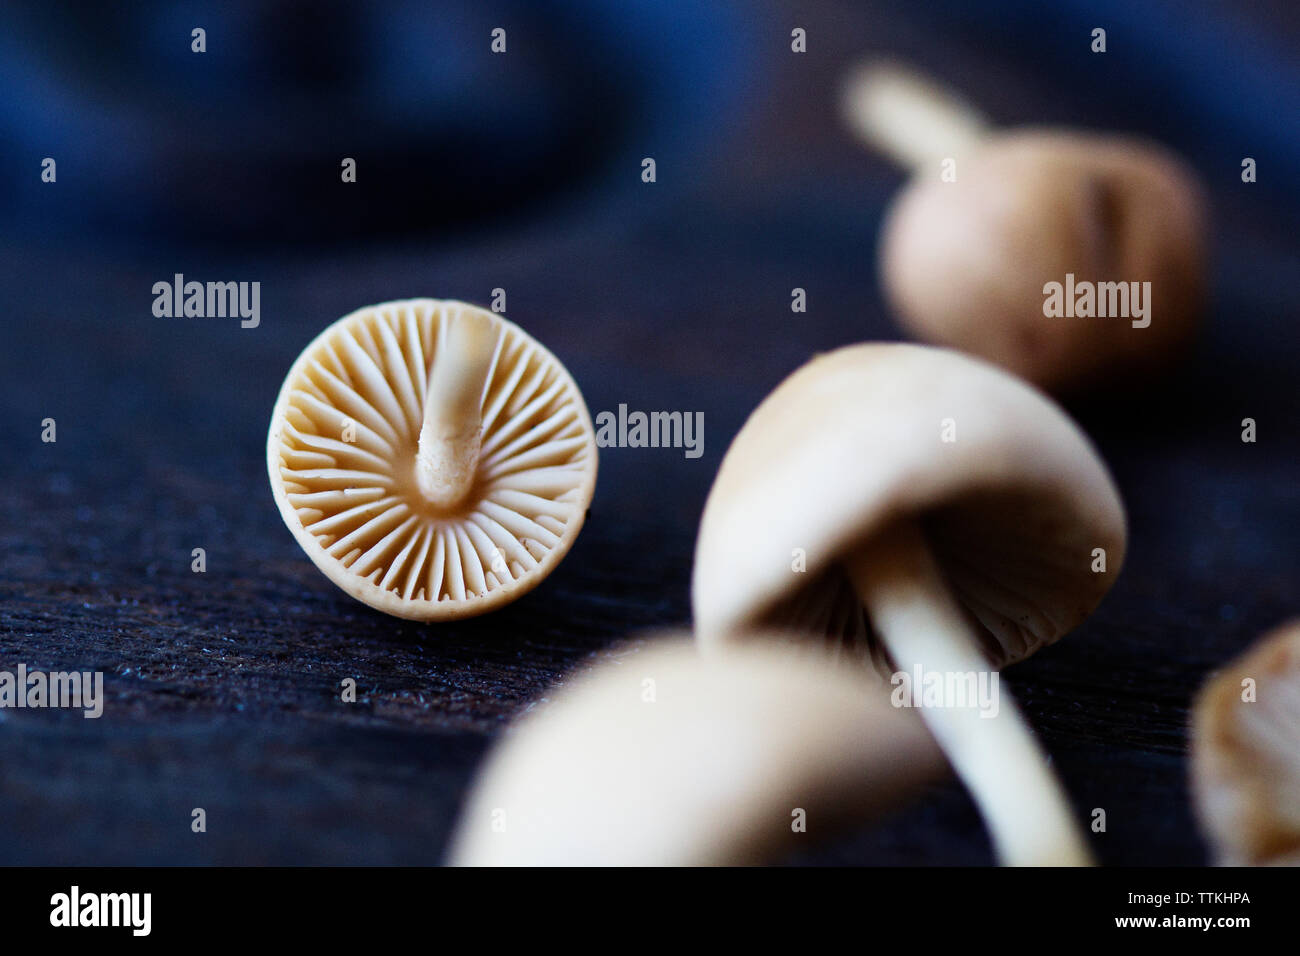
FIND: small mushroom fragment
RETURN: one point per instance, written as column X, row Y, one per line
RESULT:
column 660, row 757
column 911, row 501
column 1246, row 754
column 431, row 458
column 967, row 262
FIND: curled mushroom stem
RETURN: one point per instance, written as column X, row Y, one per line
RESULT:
column 447, row 457
column 909, row 117
column 919, row 622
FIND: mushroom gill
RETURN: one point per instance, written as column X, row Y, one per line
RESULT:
column 431, row 458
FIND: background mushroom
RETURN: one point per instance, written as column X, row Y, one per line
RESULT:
column 842, row 511
column 965, row 262
column 1246, row 754
column 658, row 757
column 431, row 458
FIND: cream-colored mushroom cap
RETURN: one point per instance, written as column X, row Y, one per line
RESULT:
column 1246, row 754
column 1014, row 506
column 661, row 757
column 990, row 218
column 431, row 458
column 968, row 263
column 912, row 500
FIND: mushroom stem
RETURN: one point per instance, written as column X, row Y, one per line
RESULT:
column 447, row 458
column 909, row 117
column 913, row 611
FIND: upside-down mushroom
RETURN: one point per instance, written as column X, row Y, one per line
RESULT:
column 911, row 503
column 431, row 458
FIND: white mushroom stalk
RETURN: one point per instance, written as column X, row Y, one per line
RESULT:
column 909, row 117
column 1007, row 773
column 451, row 436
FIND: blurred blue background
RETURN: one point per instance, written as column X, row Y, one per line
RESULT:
column 243, row 142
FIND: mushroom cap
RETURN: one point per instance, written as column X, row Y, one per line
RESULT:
column 964, row 263
column 354, row 505
column 709, row 772
column 1246, row 755
column 852, row 442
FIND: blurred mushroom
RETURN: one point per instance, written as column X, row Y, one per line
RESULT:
column 842, row 512
column 431, row 458
column 1246, row 754
column 968, row 262
column 659, row 757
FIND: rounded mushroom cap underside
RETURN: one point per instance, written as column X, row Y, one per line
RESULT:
column 659, row 756
column 1246, row 754
column 1020, row 513
column 342, row 451
column 1026, row 209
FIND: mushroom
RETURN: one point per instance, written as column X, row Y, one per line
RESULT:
column 969, row 263
column 659, row 757
column 842, row 511
column 1246, row 754
column 431, row 458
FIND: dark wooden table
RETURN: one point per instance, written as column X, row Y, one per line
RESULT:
column 222, row 687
